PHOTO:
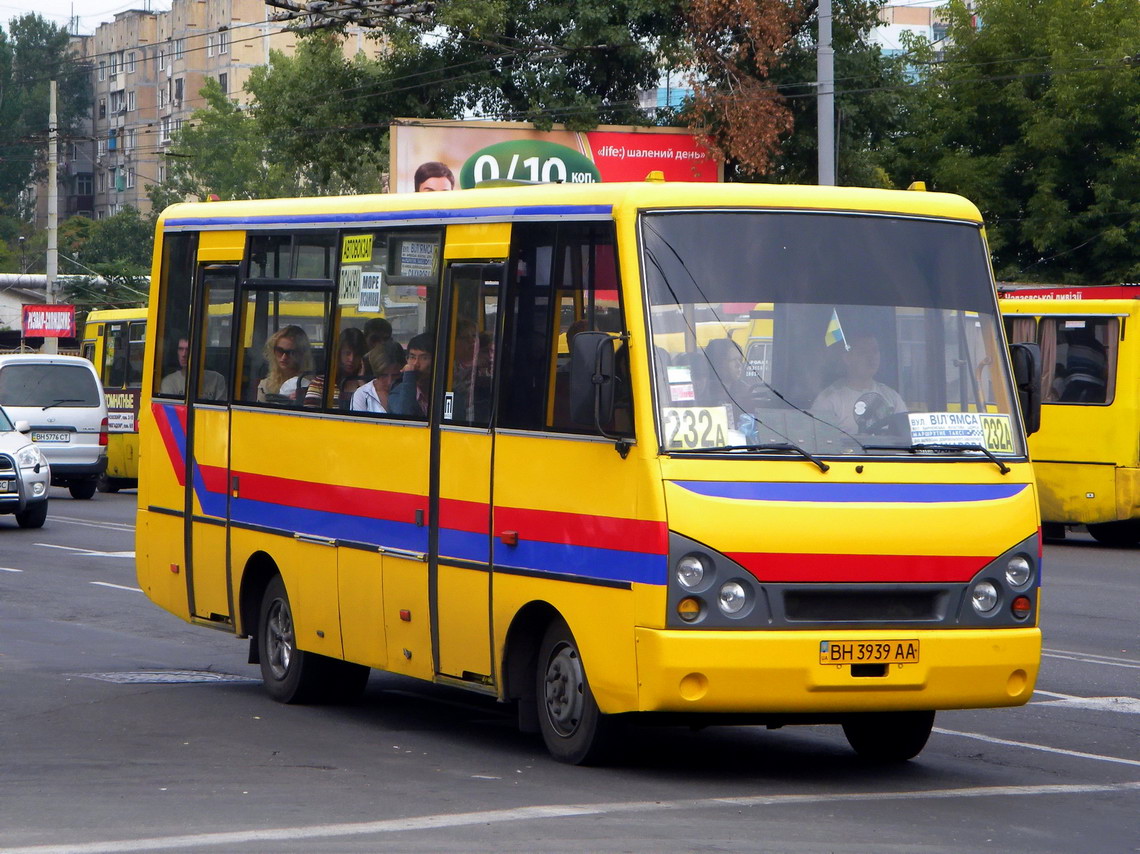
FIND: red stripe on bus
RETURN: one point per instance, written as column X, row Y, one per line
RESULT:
column 164, row 429
column 778, row 567
column 310, row 495
column 580, row 529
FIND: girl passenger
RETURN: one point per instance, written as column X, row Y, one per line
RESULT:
column 387, row 363
column 290, row 359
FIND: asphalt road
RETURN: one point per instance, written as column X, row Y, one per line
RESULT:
column 123, row 729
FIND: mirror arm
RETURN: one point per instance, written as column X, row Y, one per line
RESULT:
column 621, row 444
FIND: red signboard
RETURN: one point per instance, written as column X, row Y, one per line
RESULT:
column 49, row 321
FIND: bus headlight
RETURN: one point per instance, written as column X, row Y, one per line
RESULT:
column 732, row 597
column 1018, row 571
column 984, row 597
column 690, row 571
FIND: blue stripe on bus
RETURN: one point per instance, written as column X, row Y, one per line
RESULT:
column 502, row 212
column 878, row 493
column 584, row 561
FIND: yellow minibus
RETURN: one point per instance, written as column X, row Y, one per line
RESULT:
column 114, row 340
column 1087, row 453
column 618, row 452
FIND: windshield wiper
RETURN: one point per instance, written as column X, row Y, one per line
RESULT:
column 1002, row 467
column 62, row 400
column 773, row 446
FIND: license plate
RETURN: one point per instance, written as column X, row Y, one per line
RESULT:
column 869, row 652
column 8, row 486
column 51, row 436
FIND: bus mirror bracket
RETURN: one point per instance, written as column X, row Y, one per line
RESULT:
column 1026, row 361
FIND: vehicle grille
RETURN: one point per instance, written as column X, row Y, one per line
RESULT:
column 854, row 606
column 6, row 463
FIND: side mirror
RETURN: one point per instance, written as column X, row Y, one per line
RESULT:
column 592, row 379
column 1026, row 362
column 22, row 426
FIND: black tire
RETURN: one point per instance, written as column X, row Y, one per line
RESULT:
column 33, row 515
column 82, row 490
column 108, row 484
column 888, row 736
column 292, row 675
column 573, row 728
column 1119, row 535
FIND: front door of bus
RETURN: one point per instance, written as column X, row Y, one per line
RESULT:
column 209, row 431
column 460, row 586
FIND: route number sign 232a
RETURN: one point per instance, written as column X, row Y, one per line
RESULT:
column 689, row 427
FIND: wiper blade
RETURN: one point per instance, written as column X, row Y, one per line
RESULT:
column 61, row 401
column 1002, row 467
column 772, row 446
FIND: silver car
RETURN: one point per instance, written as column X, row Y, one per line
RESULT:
column 24, row 474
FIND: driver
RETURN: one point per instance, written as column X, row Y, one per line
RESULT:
column 858, row 403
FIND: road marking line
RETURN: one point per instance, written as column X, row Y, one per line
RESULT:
column 88, row 552
column 1090, row 658
column 1045, row 749
column 116, row 586
column 9, row 569
column 118, row 526
column 540, row 813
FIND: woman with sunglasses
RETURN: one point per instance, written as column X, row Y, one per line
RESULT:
column 387, row 363
column 290, row 359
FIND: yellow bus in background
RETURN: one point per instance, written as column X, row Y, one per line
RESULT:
column 114, row 340
column 699, row 453
column 1087, row 453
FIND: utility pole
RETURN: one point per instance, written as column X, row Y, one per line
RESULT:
column 825, row 100
column 51, row 345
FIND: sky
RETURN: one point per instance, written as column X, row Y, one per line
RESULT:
column 91, row 12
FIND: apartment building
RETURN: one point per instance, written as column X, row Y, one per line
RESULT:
column 149, row 68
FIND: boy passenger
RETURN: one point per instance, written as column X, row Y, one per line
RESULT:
column 413, row 395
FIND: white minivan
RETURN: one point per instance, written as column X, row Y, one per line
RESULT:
column 62, row 399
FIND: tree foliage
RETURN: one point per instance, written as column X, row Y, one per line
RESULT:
column 33, row 52
column 116, row 249
column 1035, row 116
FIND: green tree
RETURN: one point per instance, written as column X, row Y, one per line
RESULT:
column 116, row 249
column 34, row 52
column 1035, row 116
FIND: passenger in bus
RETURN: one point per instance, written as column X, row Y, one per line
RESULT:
column 212, row 385
column 387, row 363
column 722, row 378
column 413, row 395
column 857, row 402
column 351, row 372
column 290, row 359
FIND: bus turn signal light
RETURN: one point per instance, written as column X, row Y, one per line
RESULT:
column 1020, row 607
column 689, row 608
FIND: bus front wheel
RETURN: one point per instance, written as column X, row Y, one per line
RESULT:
column 573, row 728
column 292, row 675
column 888, row 736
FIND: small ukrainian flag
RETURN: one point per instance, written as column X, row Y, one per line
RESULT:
column 834, row 333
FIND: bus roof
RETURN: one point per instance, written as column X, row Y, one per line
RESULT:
column 600, row 201
column 102, row 315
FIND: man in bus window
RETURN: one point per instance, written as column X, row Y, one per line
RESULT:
column 212, row 386
column 413, row 395
column 857, row 402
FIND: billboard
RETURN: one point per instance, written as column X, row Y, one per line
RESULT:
column 458, row 155
column 49, row 321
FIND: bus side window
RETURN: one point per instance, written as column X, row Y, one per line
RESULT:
column 1079, row 355
column 283, row 331
column 565, row 282
column 136, row 344
column 178, row 256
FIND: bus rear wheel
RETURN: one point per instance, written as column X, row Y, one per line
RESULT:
column 573, row 728
column 292, row 675
column 1120, row 535
column 888, row 736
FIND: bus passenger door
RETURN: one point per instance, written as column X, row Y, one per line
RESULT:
column 460, row 574
column 208, row 428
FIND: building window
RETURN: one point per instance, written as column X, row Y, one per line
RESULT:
column 179, row 48
column 102, row 70
column 163, row 98
column 166, row 129
column 224, row 82
column 131, row 139
column 177, row 91
column 118, row 102
column 131, row 101
column 102, row 147
column 161, row 173
column 161, row 60
column 102, row 108
column 223, row 42
column 114, row 65
column 130, row 179
column 83, row 184
column 209, row 45
column 131, row 62
column 102, row 182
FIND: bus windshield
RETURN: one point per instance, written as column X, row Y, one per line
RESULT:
column 824, row 334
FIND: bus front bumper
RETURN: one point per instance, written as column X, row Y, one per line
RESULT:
column 780, row 672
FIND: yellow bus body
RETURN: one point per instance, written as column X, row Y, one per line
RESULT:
column 1087, row 454
column 121, row 388
column 339, row 507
